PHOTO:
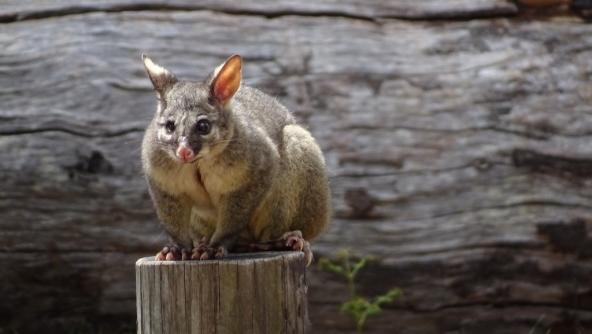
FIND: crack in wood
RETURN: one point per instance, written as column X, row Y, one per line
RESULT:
column 504, row 304
column 552, row 164
column 541, row 203
column 450, row 15
column 75, row 132
column 567, row 237
column 497, row 305
column 519, row 133
column 78, row 10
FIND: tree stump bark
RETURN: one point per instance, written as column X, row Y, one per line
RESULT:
column 247, row 293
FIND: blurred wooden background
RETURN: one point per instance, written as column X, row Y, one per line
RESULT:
column 458, row 136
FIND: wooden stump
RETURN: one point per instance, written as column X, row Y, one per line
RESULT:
column 247, row 293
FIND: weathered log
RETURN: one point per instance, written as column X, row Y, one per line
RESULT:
column 255, row 293
column 458, row 150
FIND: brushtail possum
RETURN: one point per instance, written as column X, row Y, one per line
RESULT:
column 229, row 169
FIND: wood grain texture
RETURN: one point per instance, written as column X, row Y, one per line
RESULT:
column 459, row 155
column 252, row 293
column 18, row 10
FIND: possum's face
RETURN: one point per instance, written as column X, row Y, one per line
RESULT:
column 194, row 119
column 190, row 126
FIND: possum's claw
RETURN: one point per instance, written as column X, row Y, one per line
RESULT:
column 295, row 241
column 204, row 252
column 172, row 253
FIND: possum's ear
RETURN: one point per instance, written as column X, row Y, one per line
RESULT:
column 226, row 80
column 162, row 79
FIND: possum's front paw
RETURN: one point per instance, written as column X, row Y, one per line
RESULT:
column 172, row 253
column 205, row 252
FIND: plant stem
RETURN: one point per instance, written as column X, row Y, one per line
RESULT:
column 350, row 277
column 360, row 323
column 351, row 286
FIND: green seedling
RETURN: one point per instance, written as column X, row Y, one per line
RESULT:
column 357, row 307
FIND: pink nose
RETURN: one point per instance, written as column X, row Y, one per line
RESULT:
column 185, row 153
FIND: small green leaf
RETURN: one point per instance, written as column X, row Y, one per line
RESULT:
column 387, row 298
column 343, row 254
column 327, row 265
column 373, row 309
column 355, row 306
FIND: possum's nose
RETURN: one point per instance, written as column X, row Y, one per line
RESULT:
column 185, row 153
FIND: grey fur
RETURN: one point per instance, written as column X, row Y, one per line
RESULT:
column 258, row 174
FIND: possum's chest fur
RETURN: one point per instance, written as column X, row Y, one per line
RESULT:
column 186, row 181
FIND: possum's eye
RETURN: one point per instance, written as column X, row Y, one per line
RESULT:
column 169, row 126
column 203, row 127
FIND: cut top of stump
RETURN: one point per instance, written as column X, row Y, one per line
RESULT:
column 238, row 258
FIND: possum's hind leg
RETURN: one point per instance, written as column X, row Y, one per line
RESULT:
column 292, row 240
column 306, row 184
